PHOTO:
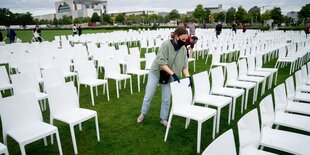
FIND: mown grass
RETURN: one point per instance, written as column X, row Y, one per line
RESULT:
column 119, row 132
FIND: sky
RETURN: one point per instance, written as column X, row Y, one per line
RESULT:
column 40, row 7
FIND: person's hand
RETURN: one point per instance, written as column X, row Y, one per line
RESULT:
column 175, row 77
column 190, row 81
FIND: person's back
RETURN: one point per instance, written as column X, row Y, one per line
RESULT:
column 192, row 29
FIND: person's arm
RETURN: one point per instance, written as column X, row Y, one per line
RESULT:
column 167, row 69
column 185, row 72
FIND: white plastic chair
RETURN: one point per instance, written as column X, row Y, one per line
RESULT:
column 243, row 71
column 88, row 76
column 259, row 67
column 65, row 65
column 149, row 58
column 133, row 67
column 3, row 149
column 251, row 136
column 282, row 103
column 26, row 83
column 219, row 89
column 5, row 80
column 112, row 71
column 301, row 84
column 53, row 77
column 181, row 106
column 283, row 59
column 280, row 118
column 253, row 72
column 31, row 67
column 64, row 106
column 22, row 120
column 292, row 94
column 202, row 95
column 233, row 81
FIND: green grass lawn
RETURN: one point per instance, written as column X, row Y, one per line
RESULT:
column 119, row 132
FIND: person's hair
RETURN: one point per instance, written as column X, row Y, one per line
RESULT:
column 194, row 38
column 179, row 31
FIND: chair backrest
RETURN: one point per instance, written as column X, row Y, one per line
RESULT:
column 19, row 110
column 202, row 83
column 53, row 77
column 251, row 63
column 243, row 68
column 248, row 129
column 24, row 83
column 134, row 50
column 304, row 74
column 216, row 57
column 217, row 77
column 30, row 67
column 290, row 88
column 181, row 94
column 111, row 68
column 133, row 63
column 232, row 71
column 298, row 80
column 149, row 59
column 259, row 61
column 267, row 111
column 280, row 97
column 4, row 77
column 86, row 70
column 282, row 52
column 223, row 145
column 62, row 98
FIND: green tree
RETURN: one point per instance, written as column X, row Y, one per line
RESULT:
column 78, row 20
column 55, row 22
column 199, row 13
column 95, row 17
column 86, row 20
column 153, row 17
column 5, row 16
column 173, row 15
column 230, row 16
column 304, row 13
column 240, row 15
column 276, row 15
column 67, row 20
column 255, row 14
column 120, row 18
column 265, row 16
column 220, row 17
column 106, row 19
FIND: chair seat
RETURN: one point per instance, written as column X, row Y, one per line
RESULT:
column 138, row 72
column 219, row 64
column 242, row 84
column 302, row 97
column 298, row 107
column 273, row 70
column 191, row 59
column 250, row 150
column 93, row 82
column 3, row 149
column 286, row 60
column 259, row 73
column 118, row 76
column 228, row 91
column 194, row 112
column 32, row 132
column 251, row 78
column 76, row 115
column 293, row 120
column 305, row 88
column 218, row 101
column 40, row 96
column 5, row 86
column 286, row 141
column 69, row 74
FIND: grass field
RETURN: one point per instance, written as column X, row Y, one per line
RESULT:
column 119, row 132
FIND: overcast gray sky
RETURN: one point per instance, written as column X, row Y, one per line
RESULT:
column 39, row 7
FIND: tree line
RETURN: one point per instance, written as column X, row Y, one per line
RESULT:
column 199, row 15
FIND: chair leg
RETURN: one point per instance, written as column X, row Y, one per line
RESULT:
column 96, row 90
column 214, row 125
column 97, row 128
column 168, row 126
column 130, row 85
column 246, row 100
column 80, row 126
column 234, row 108
column 198, row 137
column 107, row 88
column 58, row 143
column 242, row 102
column 117, row 91
column 218, row 120
column 45, row 141
column 229, row 113
column 73, row 139
column 138, row 77
column 22, row 149
column 92, row 96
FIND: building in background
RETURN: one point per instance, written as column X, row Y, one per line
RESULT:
column 294, row 15
column 76, row 9
column 217, row 9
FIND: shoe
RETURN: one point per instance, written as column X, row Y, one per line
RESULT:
column 140, row 118
column 165, row 123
